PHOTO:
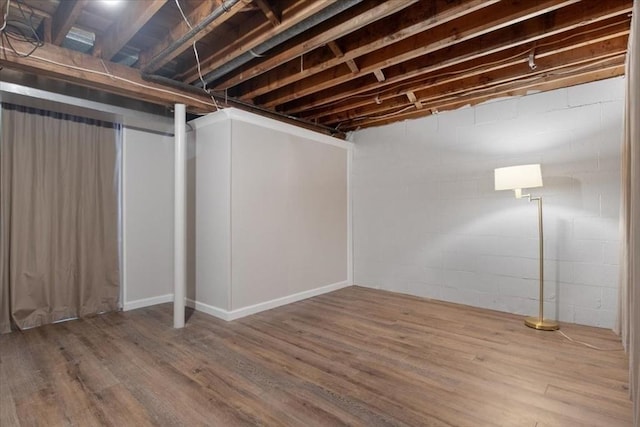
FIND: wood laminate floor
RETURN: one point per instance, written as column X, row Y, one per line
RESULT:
column 352, row 357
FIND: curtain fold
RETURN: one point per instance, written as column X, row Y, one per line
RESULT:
column 59, row 249
column 5, row 220
column 629, row 296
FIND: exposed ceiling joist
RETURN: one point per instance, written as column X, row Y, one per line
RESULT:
column 556, row 64
column 607, row 40
column 339, row 54
column 53, row 61
column 118, row 79
column 489, row 19
column 404, row 24
column 412, row 98
column 254, row 36
column 337, row 63
column 461, row 82
column 124, row 29
column 180, row 37
column 344, row 24
column 269, row 11
column 523, row 36
column 512, row 89
column 15, row 8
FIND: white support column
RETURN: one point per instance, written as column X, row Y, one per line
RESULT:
column 180, row 217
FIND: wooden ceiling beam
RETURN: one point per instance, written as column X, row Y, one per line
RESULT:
column 63, row 19
column 407, row 55
column 335, row 49
column 440, row 70
column 419, row 17
column 559, row 24
column 412, row 98
column 36, row 11
column 194, row 17
column 126, row 26
column 352, row 66
column 339, row 54
column 89, row 71
column 513, row 89
column 431, row 94
column 254, row 36
column 46, row 30
column 269, row 12
column 560, row 64
column 543, row 84
column 459, row 84
column 475, row 85
column 345, row 23
column 486, row 20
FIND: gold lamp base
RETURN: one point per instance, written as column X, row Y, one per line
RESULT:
column 543, row 325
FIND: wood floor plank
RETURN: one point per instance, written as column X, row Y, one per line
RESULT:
column 357, row 356
column 8, row 414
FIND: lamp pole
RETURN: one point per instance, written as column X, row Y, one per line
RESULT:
column 516, row 178
column 540, row 322
column 541, row 244
column 179, row 217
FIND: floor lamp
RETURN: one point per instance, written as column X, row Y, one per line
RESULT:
column 516, row 178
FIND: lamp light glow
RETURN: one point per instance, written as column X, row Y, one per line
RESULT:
column 111, row 3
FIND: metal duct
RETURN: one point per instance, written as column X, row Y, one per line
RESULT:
column 84, row 41
column 79, row 40
column 300, row 27
column 220, row 10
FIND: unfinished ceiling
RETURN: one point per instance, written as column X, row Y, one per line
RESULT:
column 342, row 65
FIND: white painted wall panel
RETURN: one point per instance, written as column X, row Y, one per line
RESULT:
column 213, row 213
column 147, row 217
column 289, row 214
column 427, row 220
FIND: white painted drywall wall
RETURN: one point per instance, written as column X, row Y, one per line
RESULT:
column 289, row 214
column 147, row 218
column 272, row 214
column 427, row 221
column 213, row 212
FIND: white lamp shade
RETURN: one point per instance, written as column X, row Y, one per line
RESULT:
column 516, row 177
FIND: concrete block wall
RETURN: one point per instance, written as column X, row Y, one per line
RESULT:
column 427, row 221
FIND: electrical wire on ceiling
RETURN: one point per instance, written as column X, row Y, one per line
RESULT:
column 197, row 56
column 107, row 73
column 20, row 30
column 6, row 14
column 378, row 94
column 112, row 76
column 25, row 31
column 486, row 89
column 397, row 89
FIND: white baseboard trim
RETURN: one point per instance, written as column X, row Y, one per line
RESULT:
column 208, row 309
column 267, row 305
column 146, row 302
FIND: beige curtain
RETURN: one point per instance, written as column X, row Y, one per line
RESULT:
column 59, row 224
column 629, row 306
